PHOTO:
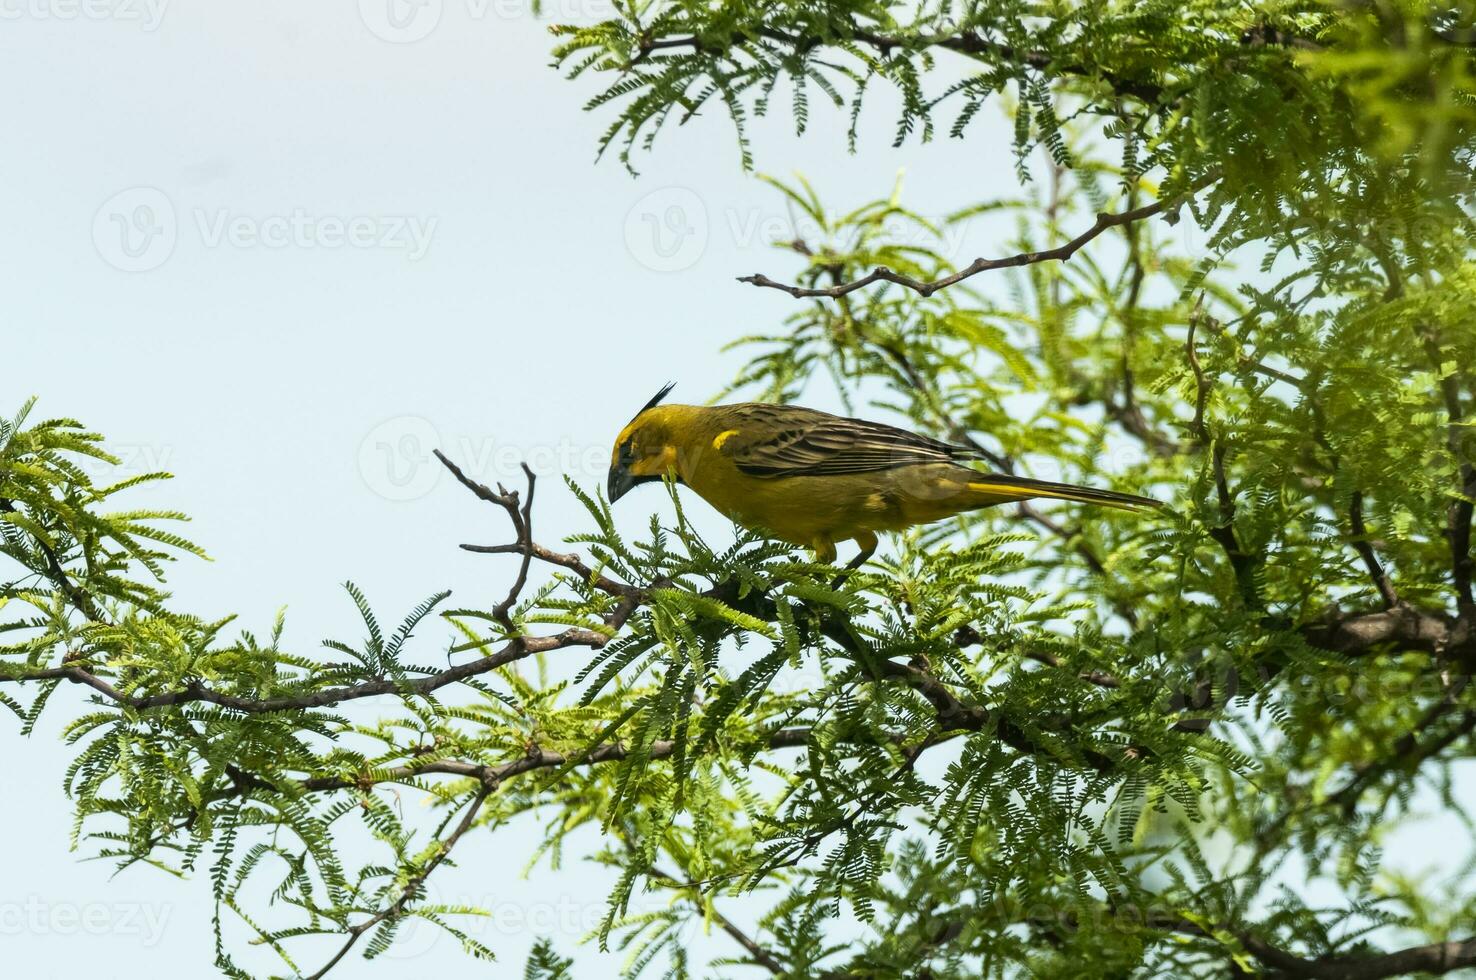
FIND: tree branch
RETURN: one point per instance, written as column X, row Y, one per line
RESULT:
column 1458, row 521
column 518, row 648
column 967, row 43
column 195, row 691
column 757, row 952
column 412, row 885
column 1436, row 958
column 1400, row 628
column 1060, row 253
column 1242, row 562
column 1366, row 552
column 57, row 575
column 1407, row 755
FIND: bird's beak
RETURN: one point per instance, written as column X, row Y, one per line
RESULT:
column 620, row 482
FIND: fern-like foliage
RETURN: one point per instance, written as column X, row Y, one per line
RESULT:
column 1019, row 742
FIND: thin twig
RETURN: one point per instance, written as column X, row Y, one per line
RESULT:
column 927, row 288
column 1366, row 552
column 1407, row 755
column 760, row 955
column 76, row 595
column 412, row 886
column 1459, row 514
column 1242, row 563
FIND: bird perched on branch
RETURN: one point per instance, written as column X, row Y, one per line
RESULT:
column 811, row 478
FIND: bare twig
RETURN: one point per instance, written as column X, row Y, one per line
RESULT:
column 926, row 288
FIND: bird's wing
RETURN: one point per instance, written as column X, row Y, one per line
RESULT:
column 785, row 440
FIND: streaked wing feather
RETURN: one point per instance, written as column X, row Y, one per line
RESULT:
column 792, row 441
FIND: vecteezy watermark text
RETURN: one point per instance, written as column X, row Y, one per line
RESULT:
column 37, row 917
column 299, row 229
column 137, row 229
column 147, row 13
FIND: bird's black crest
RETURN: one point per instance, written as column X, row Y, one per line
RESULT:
column 656, row 399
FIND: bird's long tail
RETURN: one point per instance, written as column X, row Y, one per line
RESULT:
column 999, row 488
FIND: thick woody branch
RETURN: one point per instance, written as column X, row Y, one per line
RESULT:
column 1402, row 628
column 1433, row 958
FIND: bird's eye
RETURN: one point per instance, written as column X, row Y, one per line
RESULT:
column 626, row 454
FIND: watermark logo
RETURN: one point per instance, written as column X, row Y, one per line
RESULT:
column 400, row 21
column 135, row 230
column 395, row 458
column 667, row 230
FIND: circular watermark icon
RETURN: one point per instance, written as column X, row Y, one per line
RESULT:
column 395, row 458
column 135, row 230
column 400, row 21
column 666, row 231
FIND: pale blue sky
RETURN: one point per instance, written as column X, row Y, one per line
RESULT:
column 344, row 250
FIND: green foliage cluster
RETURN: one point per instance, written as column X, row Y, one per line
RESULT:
column 1031, row 741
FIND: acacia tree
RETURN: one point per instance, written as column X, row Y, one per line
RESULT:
column 1030, row 741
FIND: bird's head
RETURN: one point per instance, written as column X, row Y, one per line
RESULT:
column 644, row 451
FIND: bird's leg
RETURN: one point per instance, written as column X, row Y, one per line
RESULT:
column 868, row 542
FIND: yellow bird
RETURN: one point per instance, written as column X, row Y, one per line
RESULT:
column 811, row 478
